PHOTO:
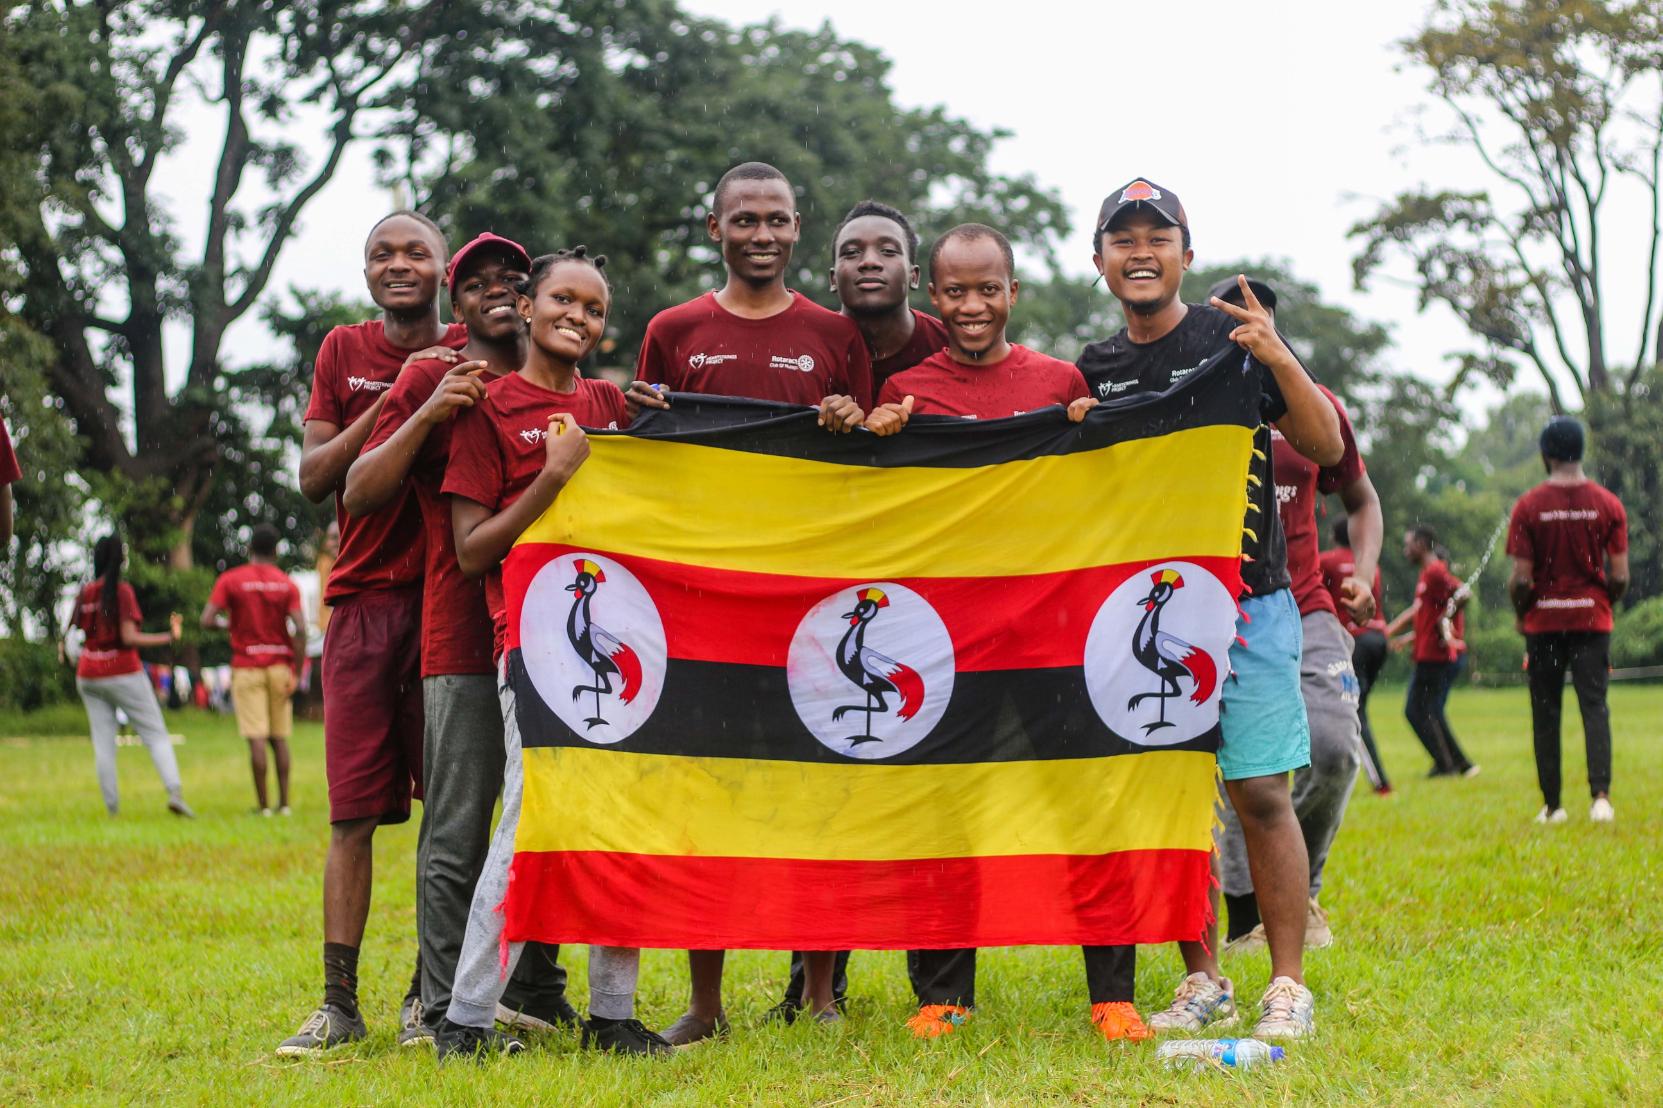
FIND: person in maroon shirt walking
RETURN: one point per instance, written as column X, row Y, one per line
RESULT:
column 372, row 709
column 1439, row 596
column 9, row 475
column 261, row 607
column 752, row 338
column 1569, row 541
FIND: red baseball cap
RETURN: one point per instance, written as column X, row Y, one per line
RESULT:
column 480, row 242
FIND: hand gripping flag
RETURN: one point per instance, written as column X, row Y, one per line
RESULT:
column 960, row 687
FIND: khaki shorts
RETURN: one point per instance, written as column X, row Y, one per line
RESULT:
column 264, row 707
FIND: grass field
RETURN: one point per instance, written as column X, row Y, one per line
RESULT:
column 1479, row 958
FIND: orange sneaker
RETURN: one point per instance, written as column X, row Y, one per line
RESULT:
column 936, row 1020
column 1120, row 1020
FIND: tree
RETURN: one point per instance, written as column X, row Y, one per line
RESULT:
column 551, row 122
column 1562, row 101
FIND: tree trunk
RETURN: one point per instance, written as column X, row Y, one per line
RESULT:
column 179, row 554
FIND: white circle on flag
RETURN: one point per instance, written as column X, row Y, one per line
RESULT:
column 1150, row 639
column 871, row 670
column 593, row 644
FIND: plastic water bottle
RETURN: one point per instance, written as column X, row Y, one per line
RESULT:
column 1209, row 1053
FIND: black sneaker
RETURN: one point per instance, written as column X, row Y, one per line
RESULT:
column 784, row 1012
column 412, row 1024
column 539, row 1014
column 474, row 1042
column 625, row 1037
column 324, row 1029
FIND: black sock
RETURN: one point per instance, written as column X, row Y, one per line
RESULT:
column 415, row 990
column 1243, row 915
column 340, row 977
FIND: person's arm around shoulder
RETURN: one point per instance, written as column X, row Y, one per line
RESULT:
column 483, row 539
column 375, row 476
column 1310, row 423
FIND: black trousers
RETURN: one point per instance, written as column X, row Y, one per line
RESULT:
column 840, row 979
column 949, row 976
column 1429, row 686
column 1368, row 657
column 1587, row 656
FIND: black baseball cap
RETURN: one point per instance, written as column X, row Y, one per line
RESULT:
column 1140, row 194
column 1229, row 291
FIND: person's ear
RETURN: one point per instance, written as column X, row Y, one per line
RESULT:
column 522, row 304
column 713, row 227
column 831, row 279
column 1016, row 286
column 1097, row 264
column 912, row 278
column 1189, row 259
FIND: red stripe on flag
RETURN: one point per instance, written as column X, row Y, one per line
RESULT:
column 1034, row 621
column 668, row 902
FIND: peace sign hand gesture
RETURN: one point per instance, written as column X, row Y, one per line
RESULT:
column 1257, row 333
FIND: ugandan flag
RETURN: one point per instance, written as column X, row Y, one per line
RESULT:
column 959, row 687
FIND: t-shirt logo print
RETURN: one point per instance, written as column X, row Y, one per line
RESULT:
column 534, row 435
column 1139, row 190
column 871, row 675
column 357, row 384
column 696, row 361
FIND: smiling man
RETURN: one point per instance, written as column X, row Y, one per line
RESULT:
column 754, row 338
column 372, row 709
column 874, row 270
column 1141, row 246
column 462, row 749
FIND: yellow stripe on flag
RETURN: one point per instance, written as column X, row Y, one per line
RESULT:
column 748, row 808
column 1135, row 501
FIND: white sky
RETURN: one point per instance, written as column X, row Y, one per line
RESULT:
column 1279, row 124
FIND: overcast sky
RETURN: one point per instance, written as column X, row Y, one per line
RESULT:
column 1279, row 124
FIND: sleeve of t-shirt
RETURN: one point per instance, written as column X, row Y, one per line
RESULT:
column 475, row 470
column 128, row 601
column 652, row 364
column 1519, row 543
column 9, row 470
column 1350, row 466
column 325, row 403
column 892, row 392
column 1077, row 389
column 414, row 385
column 617, row 407
column 221, row 596
column 1272, row 406
column 859, row 372
column 1618, row 542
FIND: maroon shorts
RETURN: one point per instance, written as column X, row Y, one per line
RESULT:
column 372, row 705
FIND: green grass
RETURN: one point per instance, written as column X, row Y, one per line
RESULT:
column 1479, row 959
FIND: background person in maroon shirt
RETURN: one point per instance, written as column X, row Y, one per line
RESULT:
column 462, row 751
column 9, row 474
column 874, row 269
column 1368, row 650
column 1327, row 683
column 372, row 710
column 1569, row 542
column 1436, row 652
column 261, row 607
column 754, row 337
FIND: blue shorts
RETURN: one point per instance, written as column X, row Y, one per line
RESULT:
column 1262, row 716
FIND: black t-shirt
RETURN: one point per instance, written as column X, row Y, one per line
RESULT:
column 1118, row 367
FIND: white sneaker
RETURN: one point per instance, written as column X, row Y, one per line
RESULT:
column 1287, row 1011
column 1601, row 812
column 1198, row 1002
column 1317, row 932
column 1557, row 815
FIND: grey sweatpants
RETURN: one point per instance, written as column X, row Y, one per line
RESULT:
column 462, row 764
column 1321, row 789
column 132, row 693
column 481, row 972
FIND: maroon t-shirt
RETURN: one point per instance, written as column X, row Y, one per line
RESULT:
column 1337, row 565
column 1023, row 381
column 9, row 470
column 102, row 654
column 1566, row 531
column 456, row 627
column 1299, row 481
column 382, row 550
column 497, row 451
column 799, row 356
column 1432, row 593
column 929, row 336
column 258, row 598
